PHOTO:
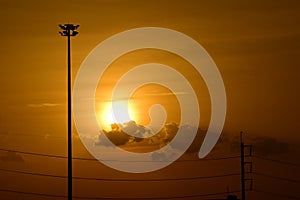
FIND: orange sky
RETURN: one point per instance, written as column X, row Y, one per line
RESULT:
column 255, row 44
column 151, row 94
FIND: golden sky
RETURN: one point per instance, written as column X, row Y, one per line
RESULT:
column 255, row 44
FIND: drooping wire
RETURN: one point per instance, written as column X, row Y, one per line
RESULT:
column 127, row 198
column 276, row 177
column 121, row 180
column 276, row 161
column 93, row 159
column 275, row 194
column 33, row 193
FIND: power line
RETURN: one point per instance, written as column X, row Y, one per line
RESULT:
column 221, row 158
column 93, row 159
column 165, row 179
column 276, row 161
column 275, row 194
column 276, row 177
column 32, row 193
column 171, row 197
column 32, row 173
column 81, row 197
column 33, row 154
column 121, row 180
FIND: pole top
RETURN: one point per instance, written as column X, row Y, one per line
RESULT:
column 68, row 29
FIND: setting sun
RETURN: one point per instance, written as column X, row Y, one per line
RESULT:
column 106, row 117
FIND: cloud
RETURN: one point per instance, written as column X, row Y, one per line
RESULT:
column 267, row 146
column 43, row 105
column 11, row 157
column 119, row 137
column 133, row 128
column 262, row 145
column 118, row 134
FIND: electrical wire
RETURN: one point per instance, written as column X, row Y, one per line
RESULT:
column 93, row 159
column 81, row 197
column 275, row 194
column 276, row 161
column 32, row 153
column 276, row 177
column 149, row 180
column 171, row 197
column 121, row 180
column 32, row 173
column 32, row 193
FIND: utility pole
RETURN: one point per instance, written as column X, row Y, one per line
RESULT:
column 69, row 30
column 243, row 163
column 242, row 167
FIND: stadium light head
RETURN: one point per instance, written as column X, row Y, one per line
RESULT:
column 68, row 29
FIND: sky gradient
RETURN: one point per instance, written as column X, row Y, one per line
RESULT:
column 255, row 44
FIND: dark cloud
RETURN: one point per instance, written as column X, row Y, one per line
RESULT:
column 137, row 130
column 11, row 157
column 116, row 136
column 262, row 145
column 188, row 130
column 119, row 137
column 268, row 146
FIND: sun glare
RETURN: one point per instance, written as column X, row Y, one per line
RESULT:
column 106, row 116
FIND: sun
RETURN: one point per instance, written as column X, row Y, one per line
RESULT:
column 105, row 115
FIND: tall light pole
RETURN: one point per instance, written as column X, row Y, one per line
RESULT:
column 69, row 30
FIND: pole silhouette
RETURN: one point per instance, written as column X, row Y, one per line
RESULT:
column 242, row 167
column 243, row 164
column 69, row 30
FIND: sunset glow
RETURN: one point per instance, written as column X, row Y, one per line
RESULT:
column 106, row 117
column 59, row 136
